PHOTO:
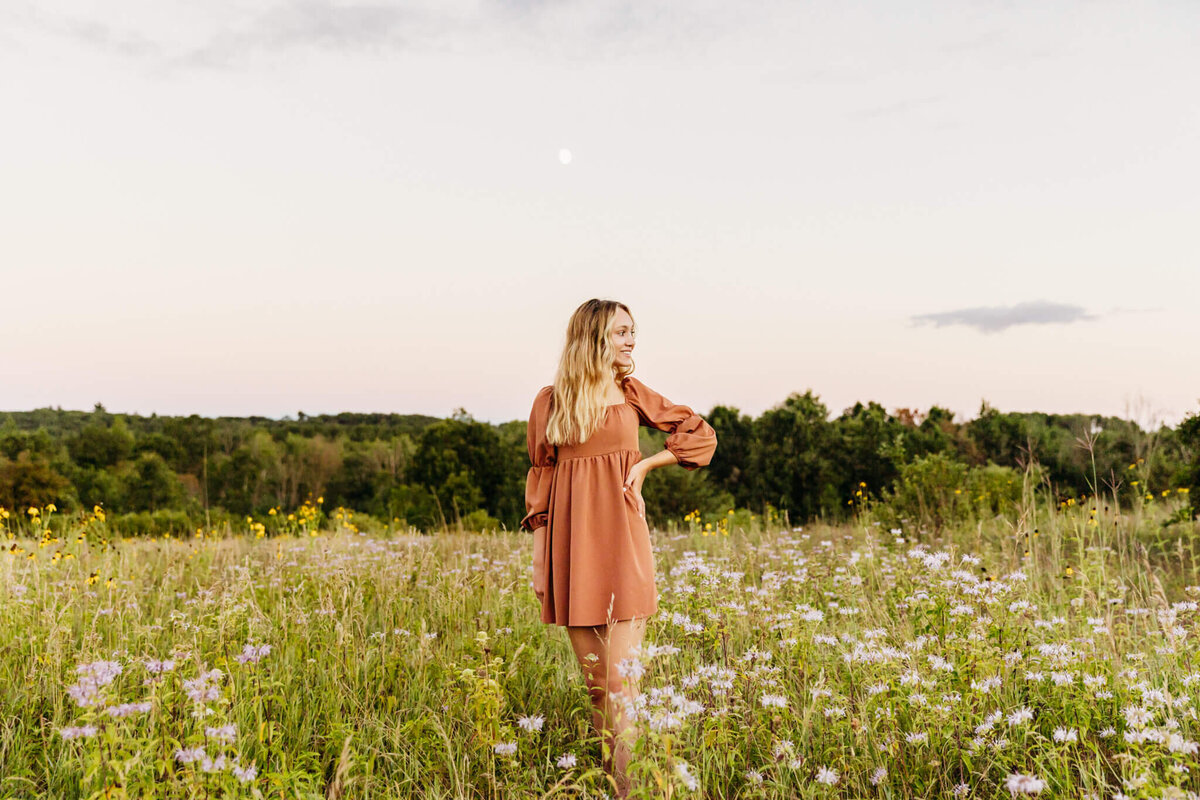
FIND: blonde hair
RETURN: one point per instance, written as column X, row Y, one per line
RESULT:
column 585, row 368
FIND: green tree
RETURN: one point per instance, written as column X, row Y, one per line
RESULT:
column 937, row 432
column 38, row 443
column 929, row 490
column 248, row 480
column 791, row 457
column 359, row 483
column 99, row 446
column 998, row 437
column 462, row 462
column 414, row 505
column 673, row 492
column 307, row 464
column 29, row 480
column 1189, row 471
column 196, row 439
column 97, row 486
column 729, row 469
column 869, row 447
column 150, row 485
column 165, row 446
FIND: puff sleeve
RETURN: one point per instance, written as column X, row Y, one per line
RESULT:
column 543, row 456
column 691, row 439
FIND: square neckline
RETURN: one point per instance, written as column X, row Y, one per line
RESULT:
column 624, row 402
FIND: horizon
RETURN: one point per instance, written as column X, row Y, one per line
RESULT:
column 1145, row 422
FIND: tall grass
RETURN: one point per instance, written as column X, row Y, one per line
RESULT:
column 1047, row 650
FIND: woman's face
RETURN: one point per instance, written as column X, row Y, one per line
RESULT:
column 622, row 337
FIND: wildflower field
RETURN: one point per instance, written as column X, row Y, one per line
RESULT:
column 1044, row 652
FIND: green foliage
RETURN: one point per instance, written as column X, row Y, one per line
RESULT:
column 478, row 520
column 152, row 523
column 149, row 485
column 792, row 459
column 414, row 470
column 671, row 493
column 413, row 504
column 462, row 462
column 993, row 489
column 99, row 446
column 1188, row 472
column 30, row 480
column 929, row 490
column 14, row 441
column 870, row 448
column 730, row 466
column 97, row 486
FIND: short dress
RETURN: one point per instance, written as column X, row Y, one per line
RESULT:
column 599, row 565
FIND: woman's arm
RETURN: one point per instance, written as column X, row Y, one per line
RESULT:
column 661, row 459
column 542, row 457
column 637, row 475
column 689, row 438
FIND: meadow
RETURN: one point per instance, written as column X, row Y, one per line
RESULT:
column 1046, row 651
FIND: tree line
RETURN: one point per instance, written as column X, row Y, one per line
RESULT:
column 427, row 472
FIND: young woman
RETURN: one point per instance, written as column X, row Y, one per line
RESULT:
column 593, row 568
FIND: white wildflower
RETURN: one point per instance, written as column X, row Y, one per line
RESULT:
column 683, row 772
column 532, row 723
column 189, row 755
column 127, row 709
column 827, row 776
column 1065, row 735
column 225, row 733
column 252, row 654
column 245, row 774
column 76, row 732
column 1020, row 716
column 1023, row 784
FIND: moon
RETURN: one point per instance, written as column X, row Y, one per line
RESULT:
column 564, row 155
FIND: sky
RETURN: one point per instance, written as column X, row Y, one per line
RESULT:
column 266, row 207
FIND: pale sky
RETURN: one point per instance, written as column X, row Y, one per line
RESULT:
column 234, row 208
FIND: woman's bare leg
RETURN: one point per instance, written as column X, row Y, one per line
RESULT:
column 608, row 689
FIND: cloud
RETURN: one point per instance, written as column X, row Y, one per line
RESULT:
column 454, row 27
column 358, row 25
column 583, row 28
column 991, row 319
column 92, row 33
column 321, row 24
column 97, row 34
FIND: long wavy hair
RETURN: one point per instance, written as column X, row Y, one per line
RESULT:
column 585, row 368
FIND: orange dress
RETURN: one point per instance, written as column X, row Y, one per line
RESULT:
column 599, row 563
